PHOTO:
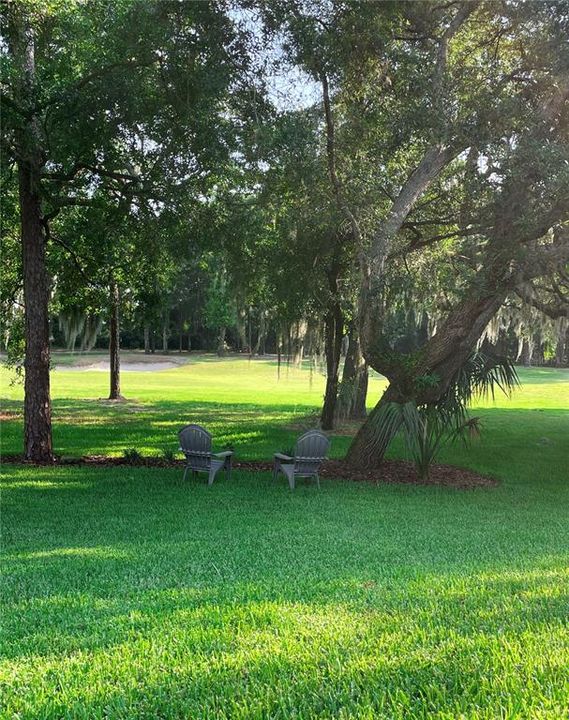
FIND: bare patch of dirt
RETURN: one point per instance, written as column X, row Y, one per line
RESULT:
column 399, row 472
column 403, row 472
column 393, row 471
column 103, row 366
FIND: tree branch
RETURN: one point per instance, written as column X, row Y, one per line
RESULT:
column 78, row 167
column 331, row 155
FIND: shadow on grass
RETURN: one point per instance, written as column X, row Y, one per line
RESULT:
column 82, row 427
column 138, row 595
column 513, row 440
column 350, row 643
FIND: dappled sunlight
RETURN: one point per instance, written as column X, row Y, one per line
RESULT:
column 43, row 485
column 82, row 552
column 137, row 587
column 244, row 406
column 206, row 648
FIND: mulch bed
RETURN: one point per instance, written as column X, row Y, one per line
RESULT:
column 391, row 471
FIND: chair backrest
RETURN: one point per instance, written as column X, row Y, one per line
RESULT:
column 195, row 442
column 310, row 450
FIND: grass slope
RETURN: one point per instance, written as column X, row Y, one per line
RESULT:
column 128, row 594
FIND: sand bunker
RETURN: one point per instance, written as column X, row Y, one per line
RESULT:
column 103, row 366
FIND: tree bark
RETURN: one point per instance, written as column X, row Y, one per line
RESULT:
column 241, row 327
column 370, row 444
column 147, row 338
column 37, row 403
column 165, row 329
column 333, row 347
column 279, row 351
column 352, row 394
column 442, row 356
column 527, row 352
column 334, row 332
column 560, row 348
column 297, row 335
column 249, row 339
column 31, row 158
column 114, row 343
column 259, row 345
column 221, row 341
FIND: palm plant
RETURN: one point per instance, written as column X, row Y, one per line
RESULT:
column 430, row 426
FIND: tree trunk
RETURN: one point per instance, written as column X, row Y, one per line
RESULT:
column 37, row 403
column 279, row 352
column 562, row 344
column 333, row 346
column 370, row 444
column 527, row 352
column 442, row 356
column 297, row 337
column 165, row 329
column 221, row 341
column 31, row 157
column 249, row 342
column 359, row 410
column 352, row 394
column 115, row 343
column 241, row 327
column 261, row 334
column 263, row 350
column 334, row 331
column 147, row 338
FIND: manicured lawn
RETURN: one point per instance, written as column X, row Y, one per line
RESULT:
column 128, row 594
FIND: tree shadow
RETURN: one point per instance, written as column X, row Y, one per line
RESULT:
column 348, row 643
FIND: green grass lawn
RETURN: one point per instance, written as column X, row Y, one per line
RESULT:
column 128, row 594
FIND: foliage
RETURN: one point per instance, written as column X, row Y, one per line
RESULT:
column 218, row 310
column 132, row 456
column 168, row 454
column 430, row 426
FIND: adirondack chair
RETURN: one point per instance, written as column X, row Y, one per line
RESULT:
column 310, row 451
column 195, row 443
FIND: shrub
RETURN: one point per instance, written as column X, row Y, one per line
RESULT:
column 168, row 454
column 132, row 456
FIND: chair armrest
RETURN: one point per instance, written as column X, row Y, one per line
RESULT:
column 281, row 456
column 224, row 454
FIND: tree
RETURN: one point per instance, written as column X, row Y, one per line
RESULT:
column 525, row 236
column 77, row 120
column 422, row 100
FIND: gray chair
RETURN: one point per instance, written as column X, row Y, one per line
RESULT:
column 195, row 443
column 310, row 451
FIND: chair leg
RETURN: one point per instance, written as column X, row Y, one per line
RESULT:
column 211, row 477
column 291, row 481
column 185, row 473
column 317, row 481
